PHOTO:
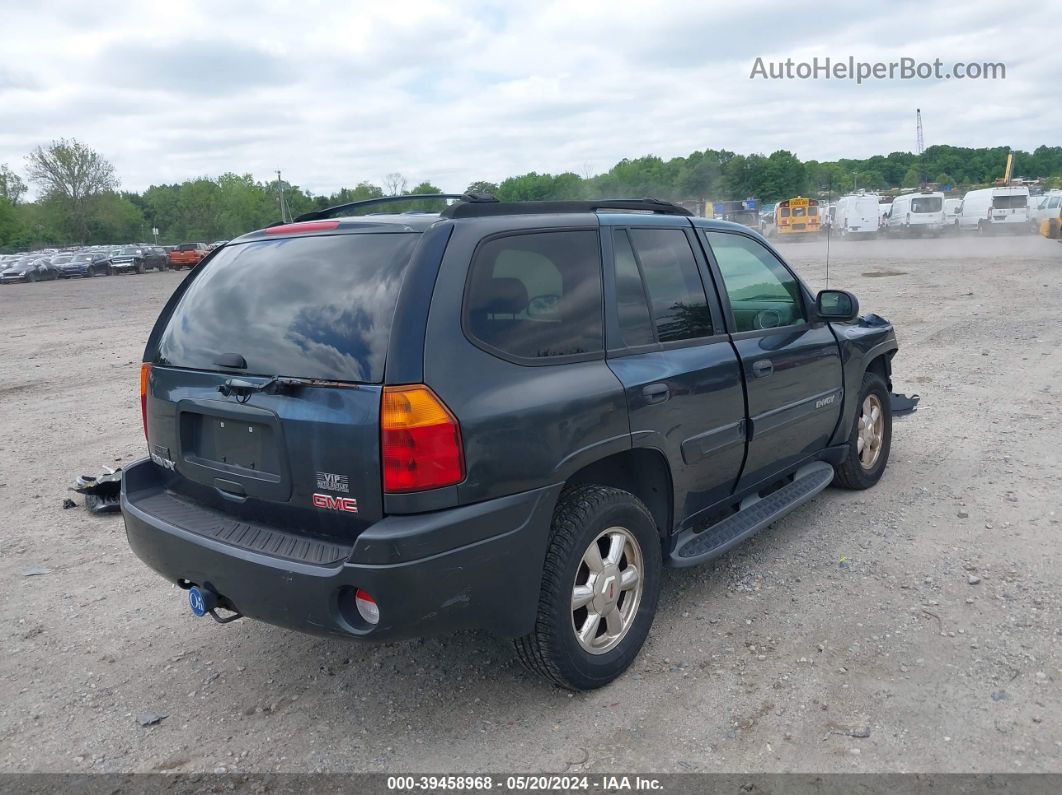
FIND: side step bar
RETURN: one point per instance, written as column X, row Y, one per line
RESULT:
column 755, row 514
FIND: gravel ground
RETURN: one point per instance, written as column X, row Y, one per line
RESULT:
column 912, row 627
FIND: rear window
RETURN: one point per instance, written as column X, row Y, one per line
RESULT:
column 927, row 204
column 188, row 247
column 1013, row 202
column 309, row 307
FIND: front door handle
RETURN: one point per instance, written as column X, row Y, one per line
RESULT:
column 656, row 393
column 762, row 368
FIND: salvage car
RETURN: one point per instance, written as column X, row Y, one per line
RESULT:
column 187, row 255
column 505, row 416
column 29, row 269
column 132, row 259
column 82, row 264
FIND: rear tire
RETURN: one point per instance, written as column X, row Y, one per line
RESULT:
column 610, row 520
column 870, row 441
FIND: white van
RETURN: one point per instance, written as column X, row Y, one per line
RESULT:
column 883, row 213
column 857, row 214
column 916, row 214
column 1045, row 206
column 951, row 214
column 989, row 209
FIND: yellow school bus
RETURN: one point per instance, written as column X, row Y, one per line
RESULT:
column 797, row 216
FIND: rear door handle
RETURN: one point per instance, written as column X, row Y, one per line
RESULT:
column 656, row 393
column 762, row 368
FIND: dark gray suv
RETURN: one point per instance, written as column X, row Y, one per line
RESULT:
column 502, row 416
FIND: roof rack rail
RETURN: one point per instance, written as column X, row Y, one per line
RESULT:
column 328, row 212
column 480, row 209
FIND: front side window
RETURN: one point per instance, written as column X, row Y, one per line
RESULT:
column 537, row 295
column 763, row 293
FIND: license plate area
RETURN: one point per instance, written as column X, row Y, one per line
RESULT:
column 236, row 444
column 223, row 443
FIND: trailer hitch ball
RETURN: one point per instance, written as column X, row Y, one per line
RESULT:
column 201, row 600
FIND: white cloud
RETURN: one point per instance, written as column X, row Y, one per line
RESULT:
column 456, row 91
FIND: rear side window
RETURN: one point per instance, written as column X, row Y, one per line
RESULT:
column 537, row 295
column 310, row 307
column 676, row 294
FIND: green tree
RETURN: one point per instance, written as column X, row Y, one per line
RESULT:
column 71, row 174
column 14, row 233
column 428, row 206
column 482, row 186
column 12, row 188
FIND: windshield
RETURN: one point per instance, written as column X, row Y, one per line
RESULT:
column 1011, row 202
column 926, row 204
column 310, row 307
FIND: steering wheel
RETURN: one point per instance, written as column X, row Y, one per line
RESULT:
column 543, row 305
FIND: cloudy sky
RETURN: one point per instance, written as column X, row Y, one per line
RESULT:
column 339, row 92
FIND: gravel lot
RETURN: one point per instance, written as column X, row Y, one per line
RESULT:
column 913, row 627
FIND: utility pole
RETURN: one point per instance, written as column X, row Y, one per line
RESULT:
column 921, row 145
column 283, row 205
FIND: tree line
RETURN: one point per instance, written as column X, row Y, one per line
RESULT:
column 80, row 200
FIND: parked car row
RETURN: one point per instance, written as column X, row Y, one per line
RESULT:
column 930, row 213
column 49, row 264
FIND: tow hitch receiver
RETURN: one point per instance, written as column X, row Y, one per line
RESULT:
column 204, row 600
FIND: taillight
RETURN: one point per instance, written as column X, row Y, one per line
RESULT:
column 145, row 371
column 420, row 441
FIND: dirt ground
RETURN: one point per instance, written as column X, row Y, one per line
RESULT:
column 912, row 627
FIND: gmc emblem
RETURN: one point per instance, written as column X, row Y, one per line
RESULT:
column 328, row 502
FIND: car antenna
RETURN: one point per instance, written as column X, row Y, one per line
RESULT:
column 829, row 226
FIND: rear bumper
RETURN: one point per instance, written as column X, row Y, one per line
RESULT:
column 425, row 573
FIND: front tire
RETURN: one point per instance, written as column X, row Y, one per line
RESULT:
column 871, row 438
column 600, row 586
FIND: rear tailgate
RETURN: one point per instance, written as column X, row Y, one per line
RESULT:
column 302, row 458
column 264, row 460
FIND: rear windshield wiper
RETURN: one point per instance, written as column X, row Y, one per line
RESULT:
column 277, row 385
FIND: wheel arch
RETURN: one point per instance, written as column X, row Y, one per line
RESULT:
column 641, row 471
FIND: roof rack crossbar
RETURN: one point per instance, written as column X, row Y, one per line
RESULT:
column 478, row 209
column 328, row 212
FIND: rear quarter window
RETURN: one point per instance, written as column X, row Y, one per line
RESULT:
column 536, row 296
column 311, row 307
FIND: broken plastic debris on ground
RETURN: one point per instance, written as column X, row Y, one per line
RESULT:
column 102, row 492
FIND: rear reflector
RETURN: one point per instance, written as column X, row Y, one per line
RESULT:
column 420, row 441
column 305, row 226
column 145, row 373
column 367, row 607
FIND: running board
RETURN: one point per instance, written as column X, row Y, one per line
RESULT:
column 755, row 514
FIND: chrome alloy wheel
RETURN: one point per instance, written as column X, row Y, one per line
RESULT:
column 871, row 431
column 607, row 590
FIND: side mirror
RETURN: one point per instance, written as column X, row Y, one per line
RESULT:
column 838, row 305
